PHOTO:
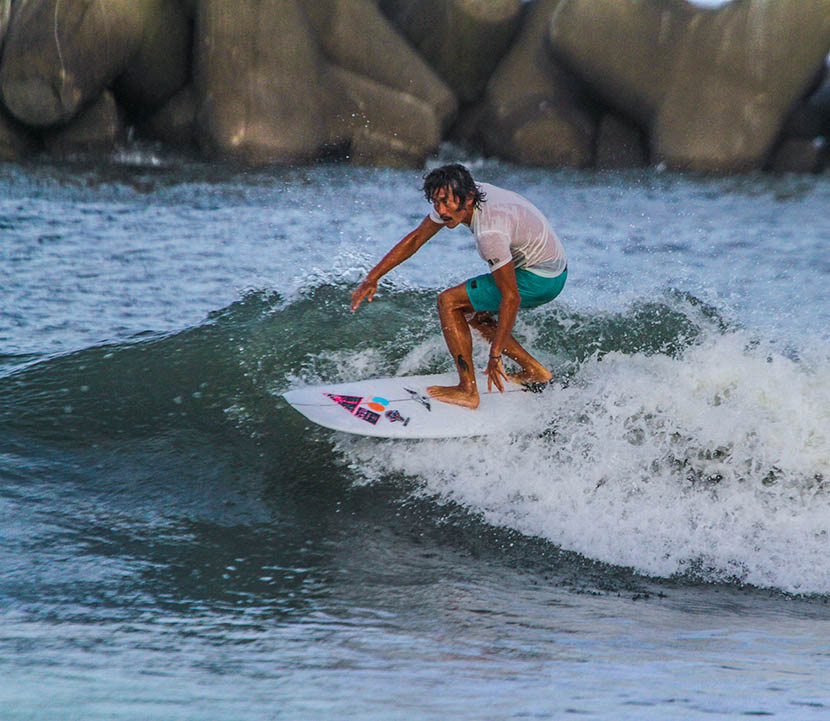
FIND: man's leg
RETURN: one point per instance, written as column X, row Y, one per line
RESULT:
column 453, row 307
column 532, row 370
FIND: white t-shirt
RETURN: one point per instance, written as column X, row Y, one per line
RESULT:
column 509, row 227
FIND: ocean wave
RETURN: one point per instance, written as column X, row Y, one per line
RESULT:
column 675, row 443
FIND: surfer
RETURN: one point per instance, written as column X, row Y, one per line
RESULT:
column 527, row 268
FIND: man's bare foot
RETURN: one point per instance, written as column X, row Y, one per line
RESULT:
column 455, row 395
column 535, row 375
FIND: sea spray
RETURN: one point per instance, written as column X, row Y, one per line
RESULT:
column 712, row 464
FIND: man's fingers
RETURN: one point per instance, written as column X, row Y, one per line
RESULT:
column 361, row 294
column 494, row 374
column 501, row 374
column 499, row 384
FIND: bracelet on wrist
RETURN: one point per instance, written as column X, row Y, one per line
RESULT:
column 495, row 357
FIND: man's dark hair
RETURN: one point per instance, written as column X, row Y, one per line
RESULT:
column 455, row 177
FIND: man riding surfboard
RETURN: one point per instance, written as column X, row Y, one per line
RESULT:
column 527, row 268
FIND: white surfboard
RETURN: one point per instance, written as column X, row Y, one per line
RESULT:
column 401, row 408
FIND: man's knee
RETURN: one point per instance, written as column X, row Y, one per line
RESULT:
column 454, row 299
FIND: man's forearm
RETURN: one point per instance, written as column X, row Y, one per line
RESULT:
column 404, row 248
column 508, row 310
column 400, row 252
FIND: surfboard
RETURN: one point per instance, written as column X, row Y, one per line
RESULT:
column 401, row 408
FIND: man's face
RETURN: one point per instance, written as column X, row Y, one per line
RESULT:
column 450, row 208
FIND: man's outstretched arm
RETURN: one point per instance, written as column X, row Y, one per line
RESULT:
column 404, row 249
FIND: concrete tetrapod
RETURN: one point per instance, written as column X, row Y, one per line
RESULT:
column 712, row 88
column 257, row 78
column 535, row 111
column 60, row 55
column 356, row 36
column 462, row 39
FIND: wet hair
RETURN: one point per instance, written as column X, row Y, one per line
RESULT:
column 455, row 177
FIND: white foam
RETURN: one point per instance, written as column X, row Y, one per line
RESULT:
column 715, row 462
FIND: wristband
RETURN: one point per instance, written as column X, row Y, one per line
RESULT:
column 495, row 357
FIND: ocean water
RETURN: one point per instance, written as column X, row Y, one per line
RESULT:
column 177, row 543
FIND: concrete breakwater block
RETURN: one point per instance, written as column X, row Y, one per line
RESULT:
column 713, row 88
column 60, row 55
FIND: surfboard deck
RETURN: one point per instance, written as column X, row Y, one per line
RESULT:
column 401, row 408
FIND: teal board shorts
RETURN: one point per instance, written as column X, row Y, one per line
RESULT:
column 534, row 290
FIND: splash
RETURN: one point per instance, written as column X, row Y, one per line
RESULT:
column 712, row 464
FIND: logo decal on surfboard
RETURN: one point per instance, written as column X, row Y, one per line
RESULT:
column 396, row 417
column 366, row 415
column 378, row 404
column 352, row 405
column 423, row 400
column 348, row 402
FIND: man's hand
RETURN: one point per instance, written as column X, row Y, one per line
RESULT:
column 495, row 373
column 365, row 291
column 402, row 250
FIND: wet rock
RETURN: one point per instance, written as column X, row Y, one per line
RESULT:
column 15, row 139
column 5, row 14
column 175, row 122
column 60, row 55
column 98, row 128
column 384, row 126
column 190, row 7
column 161, row 65
column 712, row 87
column 468, row 126
column 819, row 106
column 258, row 76
column 796, row 155
column 619, row 144
column 356, row 36
column 269, row 91
column 535, row 112
column 811, row 119
column 462, row 39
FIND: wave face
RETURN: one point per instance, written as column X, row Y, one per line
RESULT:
column 675, row 443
